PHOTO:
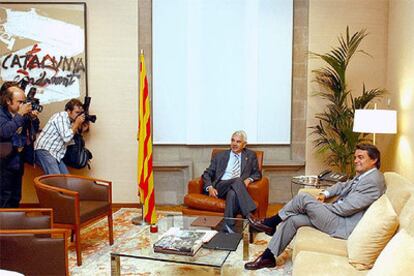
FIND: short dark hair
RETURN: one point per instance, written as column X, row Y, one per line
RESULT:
column 373, row 152
column 5, row 93
column 70, row 105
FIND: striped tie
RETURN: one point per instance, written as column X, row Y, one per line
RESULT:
column 235, row 172
column 353, row 185
column 354, row 182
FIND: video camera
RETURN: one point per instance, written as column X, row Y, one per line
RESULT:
column 30, row 98
column 86, row 104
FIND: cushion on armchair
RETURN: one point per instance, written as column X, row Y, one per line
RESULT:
column 399, row 190
column 407, row 217
column 207, row 203
column 309, row 263
column 372, row 233
column 204, row 202
column 397, row 258
column 310, row 239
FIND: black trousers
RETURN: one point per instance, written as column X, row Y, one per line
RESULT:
column 237, row 198
column 10, row 187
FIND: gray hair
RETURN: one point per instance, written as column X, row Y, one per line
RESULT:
column 242, row 134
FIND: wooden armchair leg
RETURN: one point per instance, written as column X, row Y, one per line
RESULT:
column 78, row 245
column 111, row 226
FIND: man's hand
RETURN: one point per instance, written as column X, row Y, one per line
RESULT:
column 78, row 122
column 33, row 114
column 321, row 197
column 84, row 127
column 212, row 192
column 24, row 108
column 247, row 181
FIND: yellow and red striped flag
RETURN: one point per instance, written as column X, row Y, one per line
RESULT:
column 145, row 174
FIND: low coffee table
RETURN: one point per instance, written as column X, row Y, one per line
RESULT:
column 138, row 244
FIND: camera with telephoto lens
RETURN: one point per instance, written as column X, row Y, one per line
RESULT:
column 30, row 98
column 86, row 104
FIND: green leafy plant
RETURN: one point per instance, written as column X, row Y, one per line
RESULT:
column 335, row 138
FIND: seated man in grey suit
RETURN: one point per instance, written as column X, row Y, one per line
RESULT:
column 337, row 219
column 229, row 174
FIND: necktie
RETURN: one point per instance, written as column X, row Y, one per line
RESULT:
column 353, row 185
column 235, row 172
column 354, row 182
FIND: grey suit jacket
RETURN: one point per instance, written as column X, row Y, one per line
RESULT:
column 354, row 202
column 249, row 167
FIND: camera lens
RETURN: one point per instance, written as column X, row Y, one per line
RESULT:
column 91, row 118
column 37, row 107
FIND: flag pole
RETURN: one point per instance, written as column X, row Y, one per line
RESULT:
column 139, row 220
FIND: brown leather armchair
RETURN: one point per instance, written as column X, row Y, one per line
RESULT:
column 27, row 245
column 198, row 203
column 76, row 201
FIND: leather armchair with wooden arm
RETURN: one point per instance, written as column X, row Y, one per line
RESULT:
column 29, row 243
column 76, row 201
column 198, row 203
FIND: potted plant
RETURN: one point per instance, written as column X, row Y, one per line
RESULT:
column 334, row 136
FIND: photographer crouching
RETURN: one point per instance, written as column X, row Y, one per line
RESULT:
column 18, row 127
column 51, row 145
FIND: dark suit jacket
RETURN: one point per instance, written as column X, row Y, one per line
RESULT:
column 249, row 167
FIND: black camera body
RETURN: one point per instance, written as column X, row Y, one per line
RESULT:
column 30, row 98
column 90, row 118
column 86, row 104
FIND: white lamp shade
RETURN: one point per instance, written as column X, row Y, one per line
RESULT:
column 375, row 121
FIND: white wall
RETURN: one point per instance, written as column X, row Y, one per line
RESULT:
column 399, row 149
column 328, row 19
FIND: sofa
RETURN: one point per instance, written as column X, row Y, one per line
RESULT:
column 316, row 253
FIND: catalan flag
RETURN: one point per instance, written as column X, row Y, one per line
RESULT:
column 145, row 174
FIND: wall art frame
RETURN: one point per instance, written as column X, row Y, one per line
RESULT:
column 44, row 45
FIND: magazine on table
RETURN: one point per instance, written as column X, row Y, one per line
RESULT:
column 183, row 241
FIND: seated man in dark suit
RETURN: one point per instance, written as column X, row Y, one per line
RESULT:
column 338, row 219
column 229, row 174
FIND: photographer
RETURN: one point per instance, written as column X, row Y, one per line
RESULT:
column 51, row 145
column 18, row 127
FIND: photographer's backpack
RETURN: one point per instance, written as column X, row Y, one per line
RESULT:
column 77, row 156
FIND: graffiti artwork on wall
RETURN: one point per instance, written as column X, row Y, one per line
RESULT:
column 44, row 45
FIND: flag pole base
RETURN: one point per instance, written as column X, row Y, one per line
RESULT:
column 138, row 221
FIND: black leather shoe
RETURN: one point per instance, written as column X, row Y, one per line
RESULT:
column 260, row 263
column 258, row 225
